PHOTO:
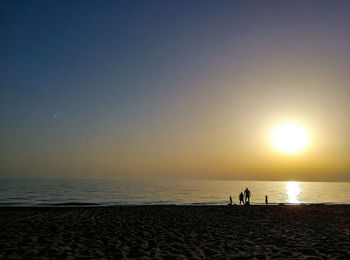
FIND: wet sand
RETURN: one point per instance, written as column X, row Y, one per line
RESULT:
column 176, row 232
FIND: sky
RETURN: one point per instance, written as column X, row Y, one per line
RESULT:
column 104, row 89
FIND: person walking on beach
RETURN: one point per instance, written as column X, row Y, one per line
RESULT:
column 247, row 196
column 230, row 203
column 241, row 200
column 266, row 201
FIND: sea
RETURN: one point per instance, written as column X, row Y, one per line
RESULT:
column 92, row 192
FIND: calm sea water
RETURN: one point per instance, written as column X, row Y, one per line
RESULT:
column 50, row 192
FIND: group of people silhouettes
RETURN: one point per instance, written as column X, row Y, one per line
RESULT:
column 244, row 198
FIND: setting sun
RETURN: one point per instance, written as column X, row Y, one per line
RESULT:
column 290, row 138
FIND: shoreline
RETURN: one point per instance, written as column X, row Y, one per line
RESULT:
column 96, row 205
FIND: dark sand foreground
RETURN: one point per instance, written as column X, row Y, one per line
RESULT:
column 176, row 232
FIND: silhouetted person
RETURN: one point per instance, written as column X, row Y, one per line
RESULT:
column 247, row 196
column 266, row 201
column 241, row 198
column 230, row 203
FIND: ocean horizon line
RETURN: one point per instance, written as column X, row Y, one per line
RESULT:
column 161, row 178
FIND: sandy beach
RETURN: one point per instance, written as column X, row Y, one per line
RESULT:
column 176, row 232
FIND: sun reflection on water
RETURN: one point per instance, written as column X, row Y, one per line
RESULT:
column 293, row 191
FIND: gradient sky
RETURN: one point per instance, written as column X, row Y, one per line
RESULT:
column 186, row 88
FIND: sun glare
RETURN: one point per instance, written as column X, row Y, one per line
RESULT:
column 293, row 191
column 290, row 138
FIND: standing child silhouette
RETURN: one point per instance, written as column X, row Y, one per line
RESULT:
column 241, row 198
